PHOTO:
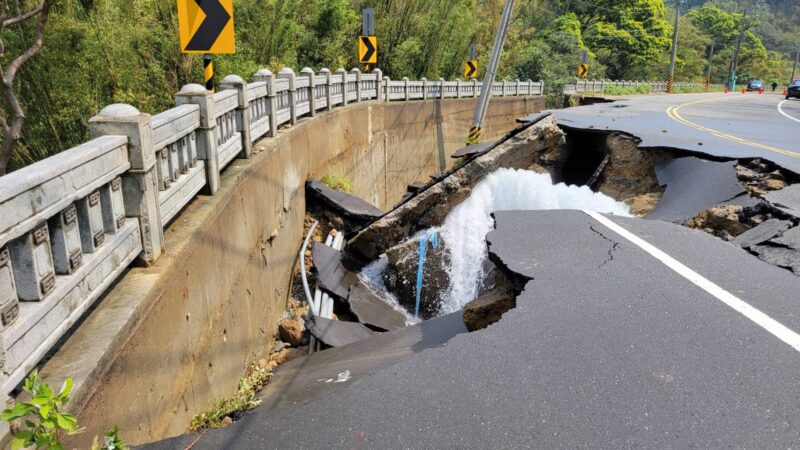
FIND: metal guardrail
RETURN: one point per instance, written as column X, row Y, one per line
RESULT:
column 598, row 86
column 72, row 223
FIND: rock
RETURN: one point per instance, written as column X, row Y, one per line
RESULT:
column 772, row 184
column 787, row 200
column 721, row 218
column 291, row 331
column 790, row 239
column 344, row 211
column 227, row 420
column 643, row 204
column 400, row 276
column 373, row 310
column 277, row 347
column 288, row 354
column 488, row 309
column 518, row 149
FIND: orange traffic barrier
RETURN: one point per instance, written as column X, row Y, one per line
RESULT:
column 726, row 89
column 744, row 90
column 784, row 91
column 761, row 91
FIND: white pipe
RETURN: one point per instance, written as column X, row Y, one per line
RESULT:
column 303, row 262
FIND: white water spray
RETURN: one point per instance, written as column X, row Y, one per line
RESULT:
column 464, row 231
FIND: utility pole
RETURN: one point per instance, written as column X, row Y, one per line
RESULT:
column 671, row 77
column 708, row 69
column 735, row 59
column 491, row 71
column 796, row 58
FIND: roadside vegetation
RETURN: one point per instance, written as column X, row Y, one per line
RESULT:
column 337, row 182
column 97, row 52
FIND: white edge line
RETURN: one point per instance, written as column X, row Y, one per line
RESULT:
column 764, row 321
column 780, row 110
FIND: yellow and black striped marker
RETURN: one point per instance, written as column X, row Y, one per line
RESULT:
column 669, row 84
column 208, row 72
column 474, row 135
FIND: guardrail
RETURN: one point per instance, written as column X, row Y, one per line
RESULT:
column 72, row 223
column 597, row 86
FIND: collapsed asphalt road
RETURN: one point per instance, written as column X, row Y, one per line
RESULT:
column 723, row 125
column 628, row 333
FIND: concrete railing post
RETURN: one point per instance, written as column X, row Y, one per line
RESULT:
column 242, row 111
column 288, row 74
column 139, row 183
column 196, row 94
column 312, row 91
column 405, row 89
column 328, row 94
column 441, row 87
column 388, row 83
column 272, row 105
column 343, row 73
column 474, row 87
column 505, row 84
column 424, row 88
column 358, row 83
column 516, row 90
column 458, row 88
column 378, row 84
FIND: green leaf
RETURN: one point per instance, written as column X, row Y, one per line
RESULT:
column 44, row 411
column 66, row 421
column 20, row 442
column 19, row 410
column 40, row 400
column 66, row 388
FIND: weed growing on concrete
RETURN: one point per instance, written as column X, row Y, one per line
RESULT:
column 111, row 441
column 41, row 416
column 225, row 410
column 337, row 182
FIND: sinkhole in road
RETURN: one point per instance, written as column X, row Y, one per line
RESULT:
column 458, row 270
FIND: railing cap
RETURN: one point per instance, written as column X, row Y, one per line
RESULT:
column 355, row 70
column 192, row 88
column 341, row 70
column 286, row 71
column 324, row 70
column 119, row 111
column 307, row 70
column 264, row 73
column 232, row 79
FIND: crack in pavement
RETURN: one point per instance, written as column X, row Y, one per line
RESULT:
column 614, row 246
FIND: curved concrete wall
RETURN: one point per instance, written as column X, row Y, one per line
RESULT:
column 168, row 339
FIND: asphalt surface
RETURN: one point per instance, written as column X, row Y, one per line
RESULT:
column 732, row 125
column 609, row 346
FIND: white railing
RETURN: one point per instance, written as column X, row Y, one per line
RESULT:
column 72, row 223
column 598, row 86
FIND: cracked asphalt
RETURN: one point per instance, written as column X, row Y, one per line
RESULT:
column 610, row 345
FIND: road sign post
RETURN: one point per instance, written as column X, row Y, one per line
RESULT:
column 367, row 42
column 206, row 27
column 583, row 67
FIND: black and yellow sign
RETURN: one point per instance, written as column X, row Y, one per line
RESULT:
column 206, row 26
column 471, row 69
column 368, row 49
column 583, row 70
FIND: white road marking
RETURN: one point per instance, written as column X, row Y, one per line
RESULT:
column 764, row 321
column 780, row 110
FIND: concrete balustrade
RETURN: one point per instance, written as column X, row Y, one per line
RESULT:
column 72, row 223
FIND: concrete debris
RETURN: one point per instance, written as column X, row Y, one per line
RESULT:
column 779, row 256
column 291, row 331
column 400, row 276
column 762, row 233
column 343, row 210
column 760, row 177
column 787, row 200
column 372, row 309
column 473, row 150
column 630, row 171
column 288, row 354
column 693, row 185
column 790, row 239
column 332, row 276
column 337, row 333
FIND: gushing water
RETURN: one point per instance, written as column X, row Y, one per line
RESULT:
column 464, row 231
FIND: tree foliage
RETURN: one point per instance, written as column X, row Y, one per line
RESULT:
column 101, row 51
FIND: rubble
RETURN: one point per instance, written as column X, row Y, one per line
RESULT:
column 488, row 308
column 722, row 221
column 400, row 276
column 342, row 210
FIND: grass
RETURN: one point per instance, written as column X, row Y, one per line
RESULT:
column 627, row 90
column 337, row 182
column 234, row 406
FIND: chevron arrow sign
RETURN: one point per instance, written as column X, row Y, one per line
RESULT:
column 368, row 49
column 206, row 26
column 471, row 69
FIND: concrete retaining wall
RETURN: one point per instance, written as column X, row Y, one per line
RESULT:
column 168, row 339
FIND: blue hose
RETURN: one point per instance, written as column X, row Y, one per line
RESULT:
column 423, row 247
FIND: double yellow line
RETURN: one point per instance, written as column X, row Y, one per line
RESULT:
column 673, row 113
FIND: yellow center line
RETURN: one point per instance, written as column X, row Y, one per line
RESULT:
column 672, row 112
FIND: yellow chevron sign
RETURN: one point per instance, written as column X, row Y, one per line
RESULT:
column 583, row 70
column 471, row 69
column 206, row 26
column 368, row 49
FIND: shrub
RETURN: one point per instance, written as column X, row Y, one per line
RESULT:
column 337, row 182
